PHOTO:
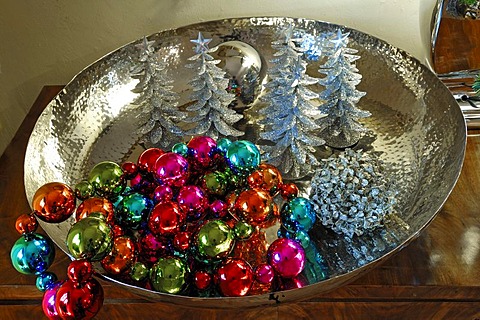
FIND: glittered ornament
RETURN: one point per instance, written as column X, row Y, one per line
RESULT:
column 132, row 210
column 255, row 206
column 139, row 271
column 264, row 273
column 90, row 238
column 107, row 178
column 95, row 204
column 243, row 156
column 214, row 239
column 166, row 218
column 298, row 214
column 266, row 177
column 32, row 254
column 48, row 301
column 79, row 302
column 80, row 271
column 234, row 278
column 54, row 202
column 162, row 194
column 26, row 223
column 169, row 275
column 193, row 201
column 83, row 190
column 122, row 256
column 172, row 169
column 148, row 158
column 201, row 149
column 287, row 257
column 45, row 281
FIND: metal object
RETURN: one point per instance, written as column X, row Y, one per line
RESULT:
column 416, row 127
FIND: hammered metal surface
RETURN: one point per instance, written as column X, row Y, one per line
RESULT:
column 416, row 126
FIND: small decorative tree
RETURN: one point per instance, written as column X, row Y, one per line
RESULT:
column 341, row 127
column 290, row 117
column 160, row 114
column 210, row 109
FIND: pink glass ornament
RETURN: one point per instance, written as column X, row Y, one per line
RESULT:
column 264, row 273
column 152, row 247
column 172, row 169
column 219, row 208
column 193, row 201
column 48, row 302
column 166, row 218
column 162, row 194
column 234, row 278
column 202, row 149
column 287, row 257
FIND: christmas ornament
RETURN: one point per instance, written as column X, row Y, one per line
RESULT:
column 166, row 218
column 80, row 271
column 255, row 206
column 215, row 183
column 169, row 275
column 209, row 111
column 122, row 257
column 106, row 178
column 75, row 301
column 234, row 278
column 181, row 241
column 162, row 194
column 288, row 190
column 32, row 253
column 264, row 273
column 139, row 271
column 266, row 177
column 351, row 194
column 341, row 128
column 152, row 247
column 146, row 161
column 171, row 169
column 160, row 114
column 290, row 117
column 201, row 149
column 54, row 202
column 193, row 201
column 214, row 239
column 132, row 210
column 202, row 280
column 242, row 156
column 84, row 190
column 298, row 213
column 287, row 257
column 242, row 230
column 218, row 208
column 95, row 204
column 129, row 169
column 90, row 238
column 45, row 280
column 26, row 223
column 48, row 301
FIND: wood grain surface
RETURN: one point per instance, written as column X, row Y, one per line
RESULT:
column 437, row 276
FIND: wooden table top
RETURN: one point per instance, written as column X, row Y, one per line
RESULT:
column 437, row 276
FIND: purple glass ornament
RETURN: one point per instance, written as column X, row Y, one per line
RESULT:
column 172, row 169
column 287, row 257
column 264, row 273
column 48, row 302
column 193, row 201
column 201, row 149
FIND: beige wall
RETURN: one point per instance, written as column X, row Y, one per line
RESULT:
column 49, row 41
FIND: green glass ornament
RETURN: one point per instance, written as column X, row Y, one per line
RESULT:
column 180, row 148
column 243, row 230
column 169, row 275
column 139, row 271
column 83, row 190
column 90, row 238
column 106, row 178
column 223, row 144
column 132, row 210
column 243, row 156
column 214, row 239
column 215, row 183
column 32, row 253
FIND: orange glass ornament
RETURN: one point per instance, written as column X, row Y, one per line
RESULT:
column 122, row 257
column 288, row 190
column 266, row 177
column 54, row 202
column 26, row 223
column 255, row 206
column 94, row 204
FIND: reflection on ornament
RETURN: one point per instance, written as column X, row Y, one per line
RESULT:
column 214, row 239
column 287, row 257
column 169, row 275
column 32, row 253
column 171, row 169
column 234, row 278
column 54, row 202
column 106, row 178
column 79, row 302
column 120, row 260
column 95, row 204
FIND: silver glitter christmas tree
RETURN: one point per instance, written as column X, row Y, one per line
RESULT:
column 341, row 127
column 160, row 114
column 210, row 111
column 290, row 118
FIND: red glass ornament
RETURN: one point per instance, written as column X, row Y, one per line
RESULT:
column 26, row 223
column 94, row 204
column 255, row 206
column 219, row 208
column 162, row 194
column 54, row 202
column 202, row 280
column 122, row 257
column 74, row 302
column 266, row 177
column 146, row 161
column 264, row 273
column 234, row 278
column 172, row 169
column 130, row 169
column 152, row 247
column 79, row 271
column 287, row 257
column 193, row 201
column 288, row 190
column 202, row 149
column 166, row 218
column 117, row 230
column 181, row 241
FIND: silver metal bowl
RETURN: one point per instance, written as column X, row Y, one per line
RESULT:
column 416, row 126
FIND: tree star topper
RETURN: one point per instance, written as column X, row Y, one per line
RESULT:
column 201, row 44
column 341, row 40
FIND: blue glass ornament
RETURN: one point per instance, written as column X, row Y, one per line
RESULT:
column 298, row 214
column 45, row 281
column 32, row 253
column 223, row 144
column 132, row 210
column 243, row 156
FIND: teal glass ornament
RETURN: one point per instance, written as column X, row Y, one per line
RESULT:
column 298, row 214
column 32, row 253
column 106, row 178
column 132, row 210
column 180, row 148
column 90, row 238
column 214, row 239
column 45, row 281
column 169, row 275
column 243, row 156
column 303, row 237
column 223, row 144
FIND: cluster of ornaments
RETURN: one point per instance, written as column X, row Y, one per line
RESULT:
column 178, row 222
